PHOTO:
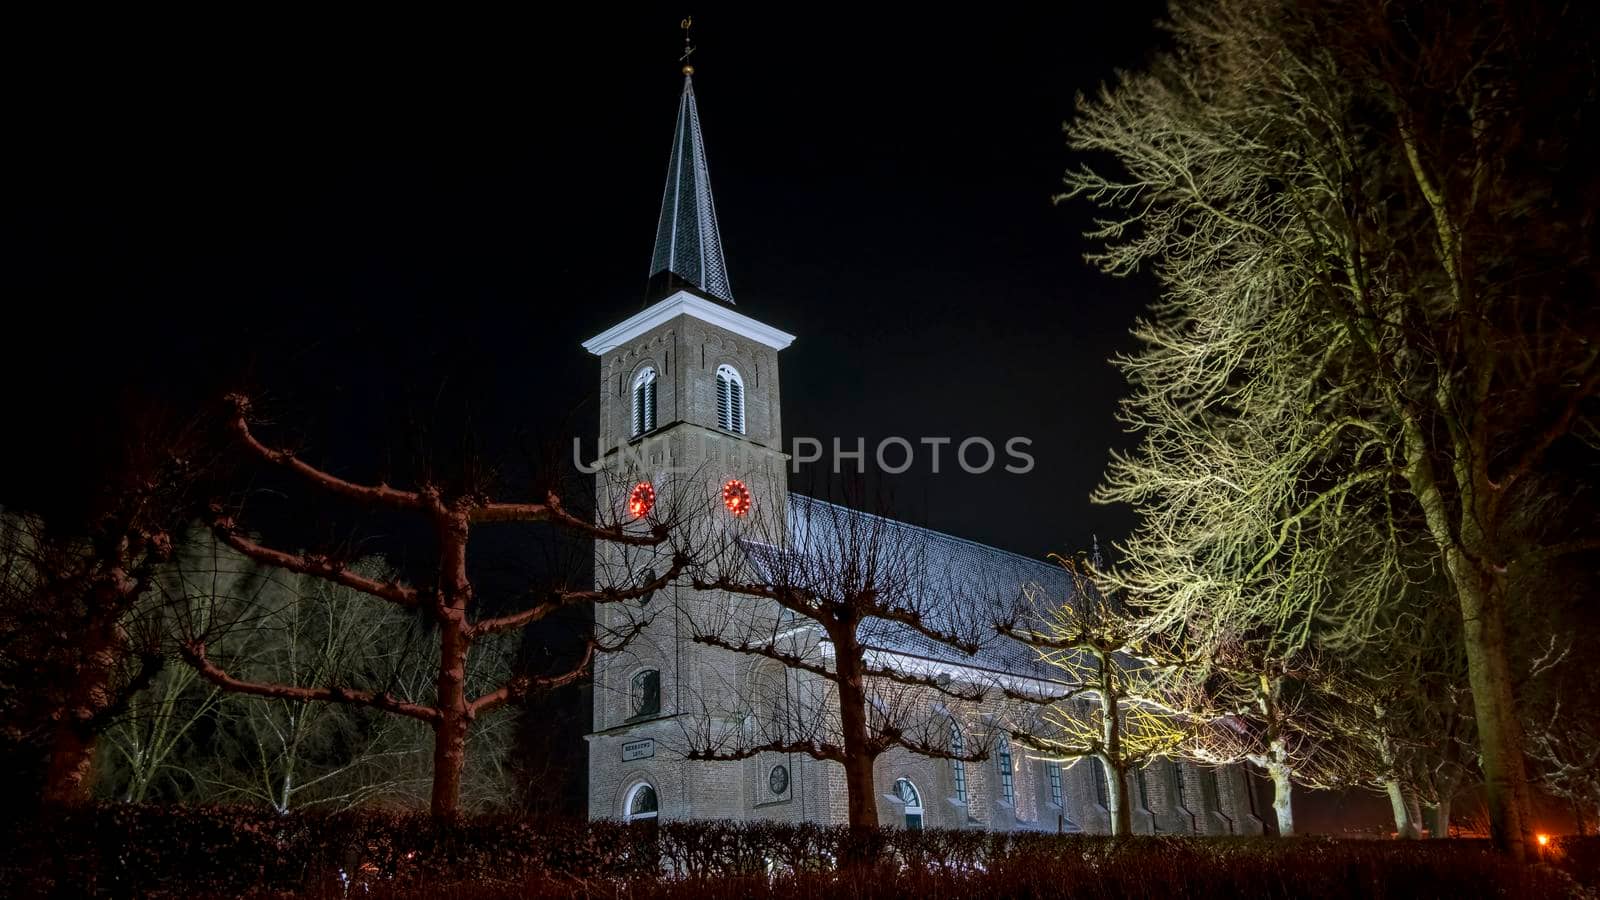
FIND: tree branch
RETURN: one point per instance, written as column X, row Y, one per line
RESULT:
column 195, row 653
column 310, row 564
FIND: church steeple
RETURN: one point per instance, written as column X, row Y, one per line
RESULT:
column 688, row 245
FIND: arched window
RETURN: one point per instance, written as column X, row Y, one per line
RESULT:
column 1002, row 761
column 730, row 400
column 644, row 401
column 1143, row 786
column 646, row 693
column 1101, row 786
column 958, row 767
column 907, row 792
column 1210, row 794
column 641, row 804
column 1178, row 791
column 1052, row 771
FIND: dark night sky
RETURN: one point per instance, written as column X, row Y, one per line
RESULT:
column 396, row 230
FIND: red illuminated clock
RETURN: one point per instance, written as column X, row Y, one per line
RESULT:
column 642, row 500
column 736, row 497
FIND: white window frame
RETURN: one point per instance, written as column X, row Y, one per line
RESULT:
column 958, row 767
column 911, row 808
column 628, row 815
column 643, row 419
column 1052, row 774
column 1002, row 760
column 730, row 400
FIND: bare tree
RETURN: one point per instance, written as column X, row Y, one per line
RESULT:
column 1350, row 210
column 297, row 630
column 449, row 605
column 1405, row 708
column 1262, row 708
column 837, row 596
column 1564, row 727
column 76, row 648
column 1117, row 702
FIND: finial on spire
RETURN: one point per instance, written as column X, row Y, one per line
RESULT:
column 688, row 45
column 1095, row 558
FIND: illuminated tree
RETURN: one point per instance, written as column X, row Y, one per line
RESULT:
column 1377, row 324
column 833, row 595
column 1117, row 703
column 449, row 605
column 1263, row 710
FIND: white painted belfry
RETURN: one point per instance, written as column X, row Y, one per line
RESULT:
column 684, row 303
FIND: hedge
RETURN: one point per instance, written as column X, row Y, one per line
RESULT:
column 153, row 851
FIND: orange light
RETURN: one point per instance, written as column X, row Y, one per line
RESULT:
column 642, row 500
column 736, row 497
column 1544, row 840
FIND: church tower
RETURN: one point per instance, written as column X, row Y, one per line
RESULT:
column 689, row 403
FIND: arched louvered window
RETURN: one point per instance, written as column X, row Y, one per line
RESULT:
column 1002, row 762
column 730, row 400
column 644, row 401
column 958, row 767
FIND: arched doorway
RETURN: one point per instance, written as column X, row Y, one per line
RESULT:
column 912, row 798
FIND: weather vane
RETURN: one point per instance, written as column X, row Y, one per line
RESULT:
column 688, row 45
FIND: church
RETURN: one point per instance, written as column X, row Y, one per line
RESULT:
column 698, row 383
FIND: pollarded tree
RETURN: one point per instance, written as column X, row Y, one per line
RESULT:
column 450, row 604
column 1119, row 687
column 838, row 597
column 1369, row 240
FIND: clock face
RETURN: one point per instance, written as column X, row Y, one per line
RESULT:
column 642, row 500
column 736, row 497
column 778, row 780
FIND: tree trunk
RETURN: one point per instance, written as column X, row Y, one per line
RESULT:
column 1499, row 729
column 1117, row 797
column 450, row 729
column 1405, row 825
column 1111, row 739
column 1440, row 826
column 861, row 795
column 71, row 762
column 1282, row 797
column 67, row 780
column 1482, row 615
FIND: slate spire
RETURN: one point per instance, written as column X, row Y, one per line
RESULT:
column 688, row 245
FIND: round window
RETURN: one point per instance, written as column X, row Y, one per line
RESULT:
column 778, row 780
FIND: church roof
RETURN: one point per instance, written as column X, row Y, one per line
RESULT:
column 957, row 585
column 688, row 244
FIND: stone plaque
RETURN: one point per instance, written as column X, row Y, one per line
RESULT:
column 639, row 749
